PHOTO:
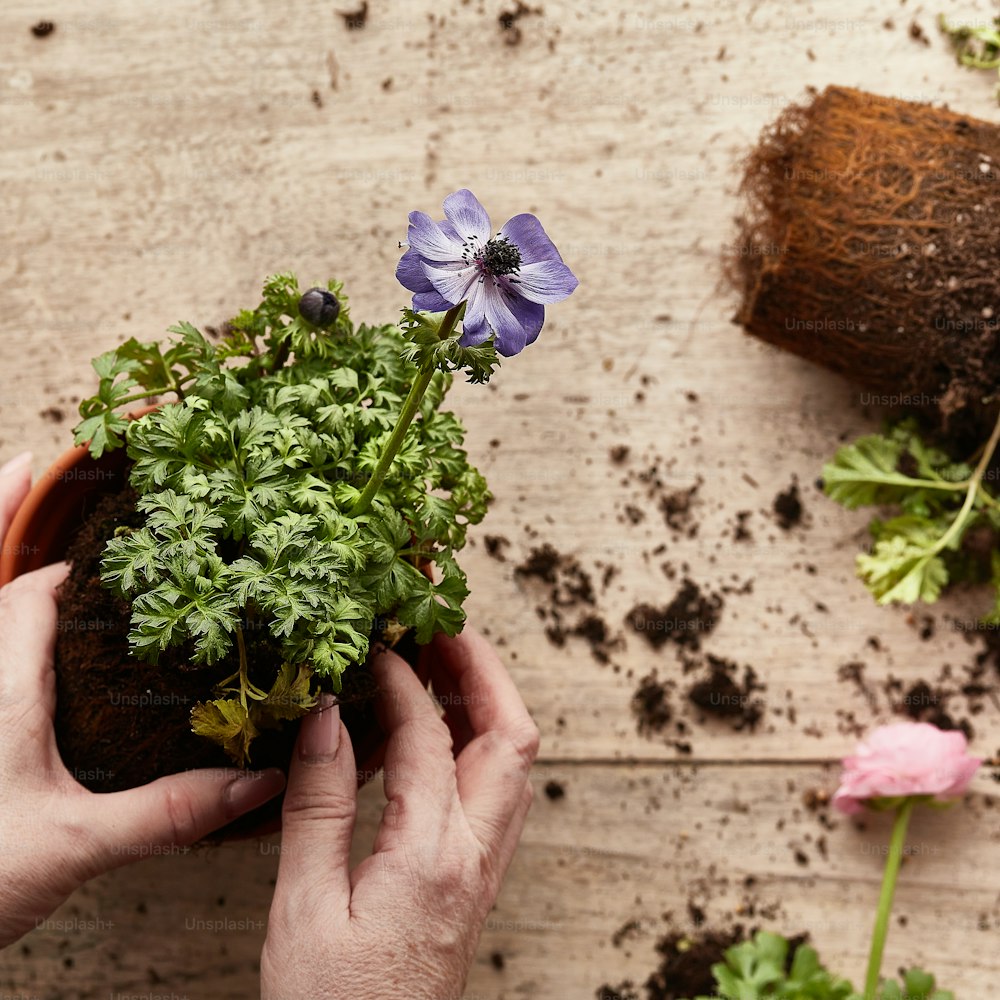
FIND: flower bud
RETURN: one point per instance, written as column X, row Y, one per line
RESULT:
column 319, row 307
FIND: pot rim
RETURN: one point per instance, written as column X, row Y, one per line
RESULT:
column 41, row 489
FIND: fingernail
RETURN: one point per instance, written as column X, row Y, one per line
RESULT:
column 320, row 737
column 16, row 463
column 251, row 790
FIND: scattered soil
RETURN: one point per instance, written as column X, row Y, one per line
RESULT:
column 676, row 508
column 949, row 701
column 555, row 790
column 495, row 545
column 651, row 704
column 741, row 533
column 355, row 20
column 54, row 415
column 623, row 991
column 722, row 694
column 497, row 960
column 918, row 34
column 121, row 722
column 570, row 608
column 43, row 29
column 509, row 21
column 654, row 712
column 691, row 615
column 788, row 507
column 685, row 968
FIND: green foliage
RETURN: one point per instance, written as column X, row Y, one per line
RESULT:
column 245, row 480
column 760, row 970
column 426, row 348
column 919, row 551
column 976, row 46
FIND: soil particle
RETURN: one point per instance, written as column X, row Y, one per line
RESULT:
column 685, row 968
column 570, row 583
column 788, row 507
column 555, row 790
column 627, row 931
column 497, row 960
column 43, row 29
column 691, row 615
column 676, row 508
column 741, row 533
column 619, row 453
column 918, row 34
column 508, row 21
column 722, row 694
column 570, row 593
column 651, row 705
column 495, row 544
column 355, row 20
column 53, row 415
column 634, row 514
column 623, row 991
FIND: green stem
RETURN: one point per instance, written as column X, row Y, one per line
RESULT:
column 244, row 678
column 892, row 864
column 410, row 407
column 176, row 386
column 973, row 489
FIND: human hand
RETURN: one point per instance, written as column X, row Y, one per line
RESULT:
column 54, row 834
column 407, row 920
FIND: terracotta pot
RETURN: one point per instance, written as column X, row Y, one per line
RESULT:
column 45, row 524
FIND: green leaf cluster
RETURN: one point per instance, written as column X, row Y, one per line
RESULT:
column 762, row 969
column 976, row 45
column 940, row 503
column 245, row 480
column 759, row 968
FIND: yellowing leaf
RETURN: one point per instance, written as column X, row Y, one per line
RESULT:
column 226, row 722
column 290, row 697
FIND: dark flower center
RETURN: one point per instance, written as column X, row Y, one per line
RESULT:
column 499, row 256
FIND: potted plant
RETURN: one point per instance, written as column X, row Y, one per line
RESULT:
column 291, row 493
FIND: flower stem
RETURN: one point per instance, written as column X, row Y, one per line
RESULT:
column 974, row 487
column 892, row 864
column 410, row 406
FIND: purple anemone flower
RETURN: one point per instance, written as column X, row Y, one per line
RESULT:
column 504, row 280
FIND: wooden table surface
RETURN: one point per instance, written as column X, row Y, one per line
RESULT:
column 158, row 162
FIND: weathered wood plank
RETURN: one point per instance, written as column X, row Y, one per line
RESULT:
column 156, row 168
column 625, row 843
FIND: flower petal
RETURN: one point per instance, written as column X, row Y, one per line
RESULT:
column 527, row 234
column 467, row 215
column 430, row 301
column 430, row 241
column 531, row 315
column 410, row 272
column 544, row 281
column 453, row 284
column 475, row 329
column 510, row 336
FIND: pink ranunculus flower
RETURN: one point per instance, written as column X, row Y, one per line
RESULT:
column 906, row 758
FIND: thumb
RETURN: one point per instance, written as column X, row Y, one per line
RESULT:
column 174, row 811
column 319, row 811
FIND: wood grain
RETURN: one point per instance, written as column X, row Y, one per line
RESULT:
column 157, row 164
